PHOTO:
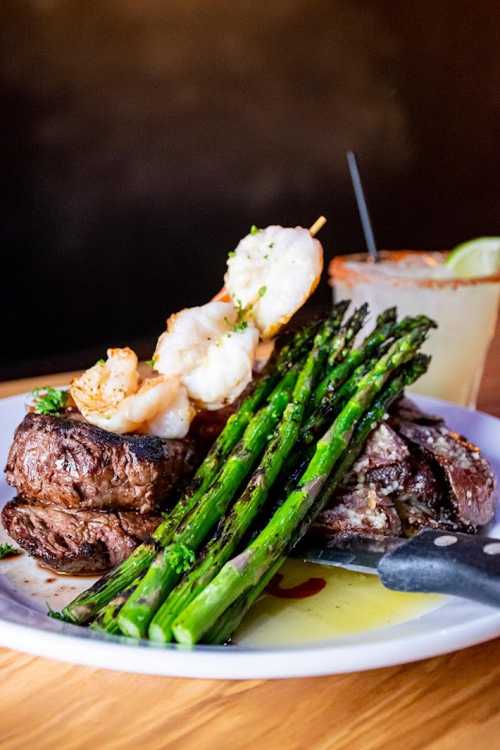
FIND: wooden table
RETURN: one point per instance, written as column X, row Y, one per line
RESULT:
column 447, row 702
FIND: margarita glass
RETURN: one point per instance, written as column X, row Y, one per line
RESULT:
column 417, row 282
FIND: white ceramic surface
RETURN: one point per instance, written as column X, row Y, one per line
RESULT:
column 24, row 588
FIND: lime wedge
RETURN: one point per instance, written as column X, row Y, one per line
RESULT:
column 479, row 257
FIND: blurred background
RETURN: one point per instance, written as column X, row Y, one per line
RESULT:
column 140, row 140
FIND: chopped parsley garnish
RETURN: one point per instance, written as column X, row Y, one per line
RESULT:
column 262, row 291
column 241, row 323
column 151, row 362
column 50, row 400
column 101, row 361
column 254, row 229
column 231, row 253
column 180, row 557
column 7, row 550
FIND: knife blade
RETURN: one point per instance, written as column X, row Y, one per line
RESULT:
column 432, row 561
column 356, row 552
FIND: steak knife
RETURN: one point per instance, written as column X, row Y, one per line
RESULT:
column 432, row 561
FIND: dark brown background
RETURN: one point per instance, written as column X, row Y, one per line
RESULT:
column 140, row 139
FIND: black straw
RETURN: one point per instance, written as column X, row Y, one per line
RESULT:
column 364, row 214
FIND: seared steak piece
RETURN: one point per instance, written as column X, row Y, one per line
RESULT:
column 73, row 464
column 75, row 542
column 413, row 473
column 360, row 511
column 363, row 505
column 384, row 462
column 469, row 478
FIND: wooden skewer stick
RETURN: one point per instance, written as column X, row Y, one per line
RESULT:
column 317, row 226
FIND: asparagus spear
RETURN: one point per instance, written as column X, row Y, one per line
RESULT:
column 169, row 563
column 326, row 399
column 341, row 389
column 304, row 450
column 342, row 341
column 247, row 507
column 107, row 617
column 164, row 572
column 226, row 625
column 385, row 325
column 83, row 608
column 230, row 620
column 342, row 383
column 244, row 571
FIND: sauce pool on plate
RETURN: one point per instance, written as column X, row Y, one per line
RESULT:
column 314, row 603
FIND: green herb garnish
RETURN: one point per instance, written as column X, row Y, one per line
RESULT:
column 262, row 291
column 231, row 253
column 6, row 550
column 180, row 557
column 241, row 323
column 254, row 229
column 49, row 400
column 240, row 326
column 151, row 362
column 101, row 361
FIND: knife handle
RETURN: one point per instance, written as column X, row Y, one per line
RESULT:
column 445, row 563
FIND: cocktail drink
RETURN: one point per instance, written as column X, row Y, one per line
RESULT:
column 465, row 310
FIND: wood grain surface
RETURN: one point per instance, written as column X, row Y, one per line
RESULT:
column 450, row 702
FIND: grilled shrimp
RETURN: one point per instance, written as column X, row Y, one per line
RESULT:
column 175, row 420
column 272, row 273
column 211, row 349
column 109, row 396
column 101, row 388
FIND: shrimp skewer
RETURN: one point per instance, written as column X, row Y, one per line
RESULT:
column 206, row 357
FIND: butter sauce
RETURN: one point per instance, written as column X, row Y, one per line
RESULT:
column 347, row 603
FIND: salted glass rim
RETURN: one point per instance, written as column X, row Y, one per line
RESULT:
column 339, row 270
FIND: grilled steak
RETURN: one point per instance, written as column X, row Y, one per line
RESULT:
column 364, row 505
column 413, row 473
column 71, row 463
column 75, row 542
column 360, row 511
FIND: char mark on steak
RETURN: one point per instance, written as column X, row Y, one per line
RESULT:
column 73, row 464
column 75, row 542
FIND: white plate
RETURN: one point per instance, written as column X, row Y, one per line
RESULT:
column 452, row 625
